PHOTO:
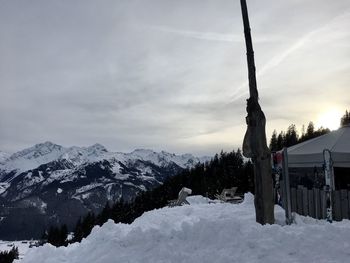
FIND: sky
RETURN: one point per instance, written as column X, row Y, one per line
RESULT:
column 164, row 74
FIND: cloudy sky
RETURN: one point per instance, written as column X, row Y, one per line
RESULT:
column 164, row 74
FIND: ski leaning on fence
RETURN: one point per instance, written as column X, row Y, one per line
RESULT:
column 328, row 172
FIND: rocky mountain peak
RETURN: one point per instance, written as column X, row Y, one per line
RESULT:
column 97, row 148
column 38, row 150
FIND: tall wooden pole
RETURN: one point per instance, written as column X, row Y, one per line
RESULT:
column 254, row 144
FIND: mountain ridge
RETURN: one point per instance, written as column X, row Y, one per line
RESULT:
column 52, row 184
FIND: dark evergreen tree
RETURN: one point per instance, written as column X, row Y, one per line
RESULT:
column 291, row 137
column 88, row 223
column 9, row 256
column 281, row 140
column 273, row 142
column 63, row 235
column 78, row 231
column 104, row 215
column 345, row 120
column 310, row 129
column 53, row 236
column 312, row 133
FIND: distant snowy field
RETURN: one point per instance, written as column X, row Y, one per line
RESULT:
column 22, row 246
column 203, row 232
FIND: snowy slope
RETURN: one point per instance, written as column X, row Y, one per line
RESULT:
column 3, row 156
column 23, row 246
column 205, row 233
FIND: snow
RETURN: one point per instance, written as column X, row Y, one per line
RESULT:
column 32, row 157
column 43, row 153
column 88, row 187
column 3, row 187
column 162, row 158
column 206, row 232
column 23, row 246
column 3, row 156
column 74, row 160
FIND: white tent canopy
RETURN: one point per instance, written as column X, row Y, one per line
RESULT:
column 310, row 153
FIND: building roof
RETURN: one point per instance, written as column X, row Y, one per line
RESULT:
column 310, row 153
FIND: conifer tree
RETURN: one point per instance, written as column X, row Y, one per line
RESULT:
column 273, row 141
column 291, row 136
column 63, row 235
column 345, row 120
column 310, row 130
column 281, row 140
column 9, row 256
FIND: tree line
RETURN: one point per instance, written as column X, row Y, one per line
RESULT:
column 345, row 120
column 223, row 171
column 291, row 137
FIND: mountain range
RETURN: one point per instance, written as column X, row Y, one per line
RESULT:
column 49, row 184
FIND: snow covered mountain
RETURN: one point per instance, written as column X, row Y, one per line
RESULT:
column 3, row 156
column 51, row 184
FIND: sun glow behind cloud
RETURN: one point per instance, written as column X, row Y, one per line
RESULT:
column 330, row 119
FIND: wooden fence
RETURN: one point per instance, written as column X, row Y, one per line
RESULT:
column 313, row 202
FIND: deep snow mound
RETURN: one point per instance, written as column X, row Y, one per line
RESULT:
column 205, row 232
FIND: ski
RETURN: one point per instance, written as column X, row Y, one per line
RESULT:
column 328, row 172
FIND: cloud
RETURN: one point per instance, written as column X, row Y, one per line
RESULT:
column 325, row 31
column 163, row 74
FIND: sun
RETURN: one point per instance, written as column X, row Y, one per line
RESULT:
column 329, row 119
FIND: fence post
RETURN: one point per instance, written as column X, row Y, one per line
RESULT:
column 323, row 204
column 293, row 192
column 311, row 203
column 286, row 187
column 337, row 206
column 317, row 203
column 300, row 200
column 349, row 203
column 305, row 202
column 344, row 204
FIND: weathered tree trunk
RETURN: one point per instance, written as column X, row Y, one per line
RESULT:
column 254, row 144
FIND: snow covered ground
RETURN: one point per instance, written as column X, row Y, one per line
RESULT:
column 203, row 232
column 22, row 246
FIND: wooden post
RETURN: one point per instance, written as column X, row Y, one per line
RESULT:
column 317, row 203
column 344, row 204
column 305, row 202
column 311, row 203
column 286, row 188
column 299, row 200
column 349, row 203
column 337, row 206
column 293, row 192
column 323, row 204
column 254, row 143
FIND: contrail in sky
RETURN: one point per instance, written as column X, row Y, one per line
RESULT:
column 277, row 60
column 211, row 36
